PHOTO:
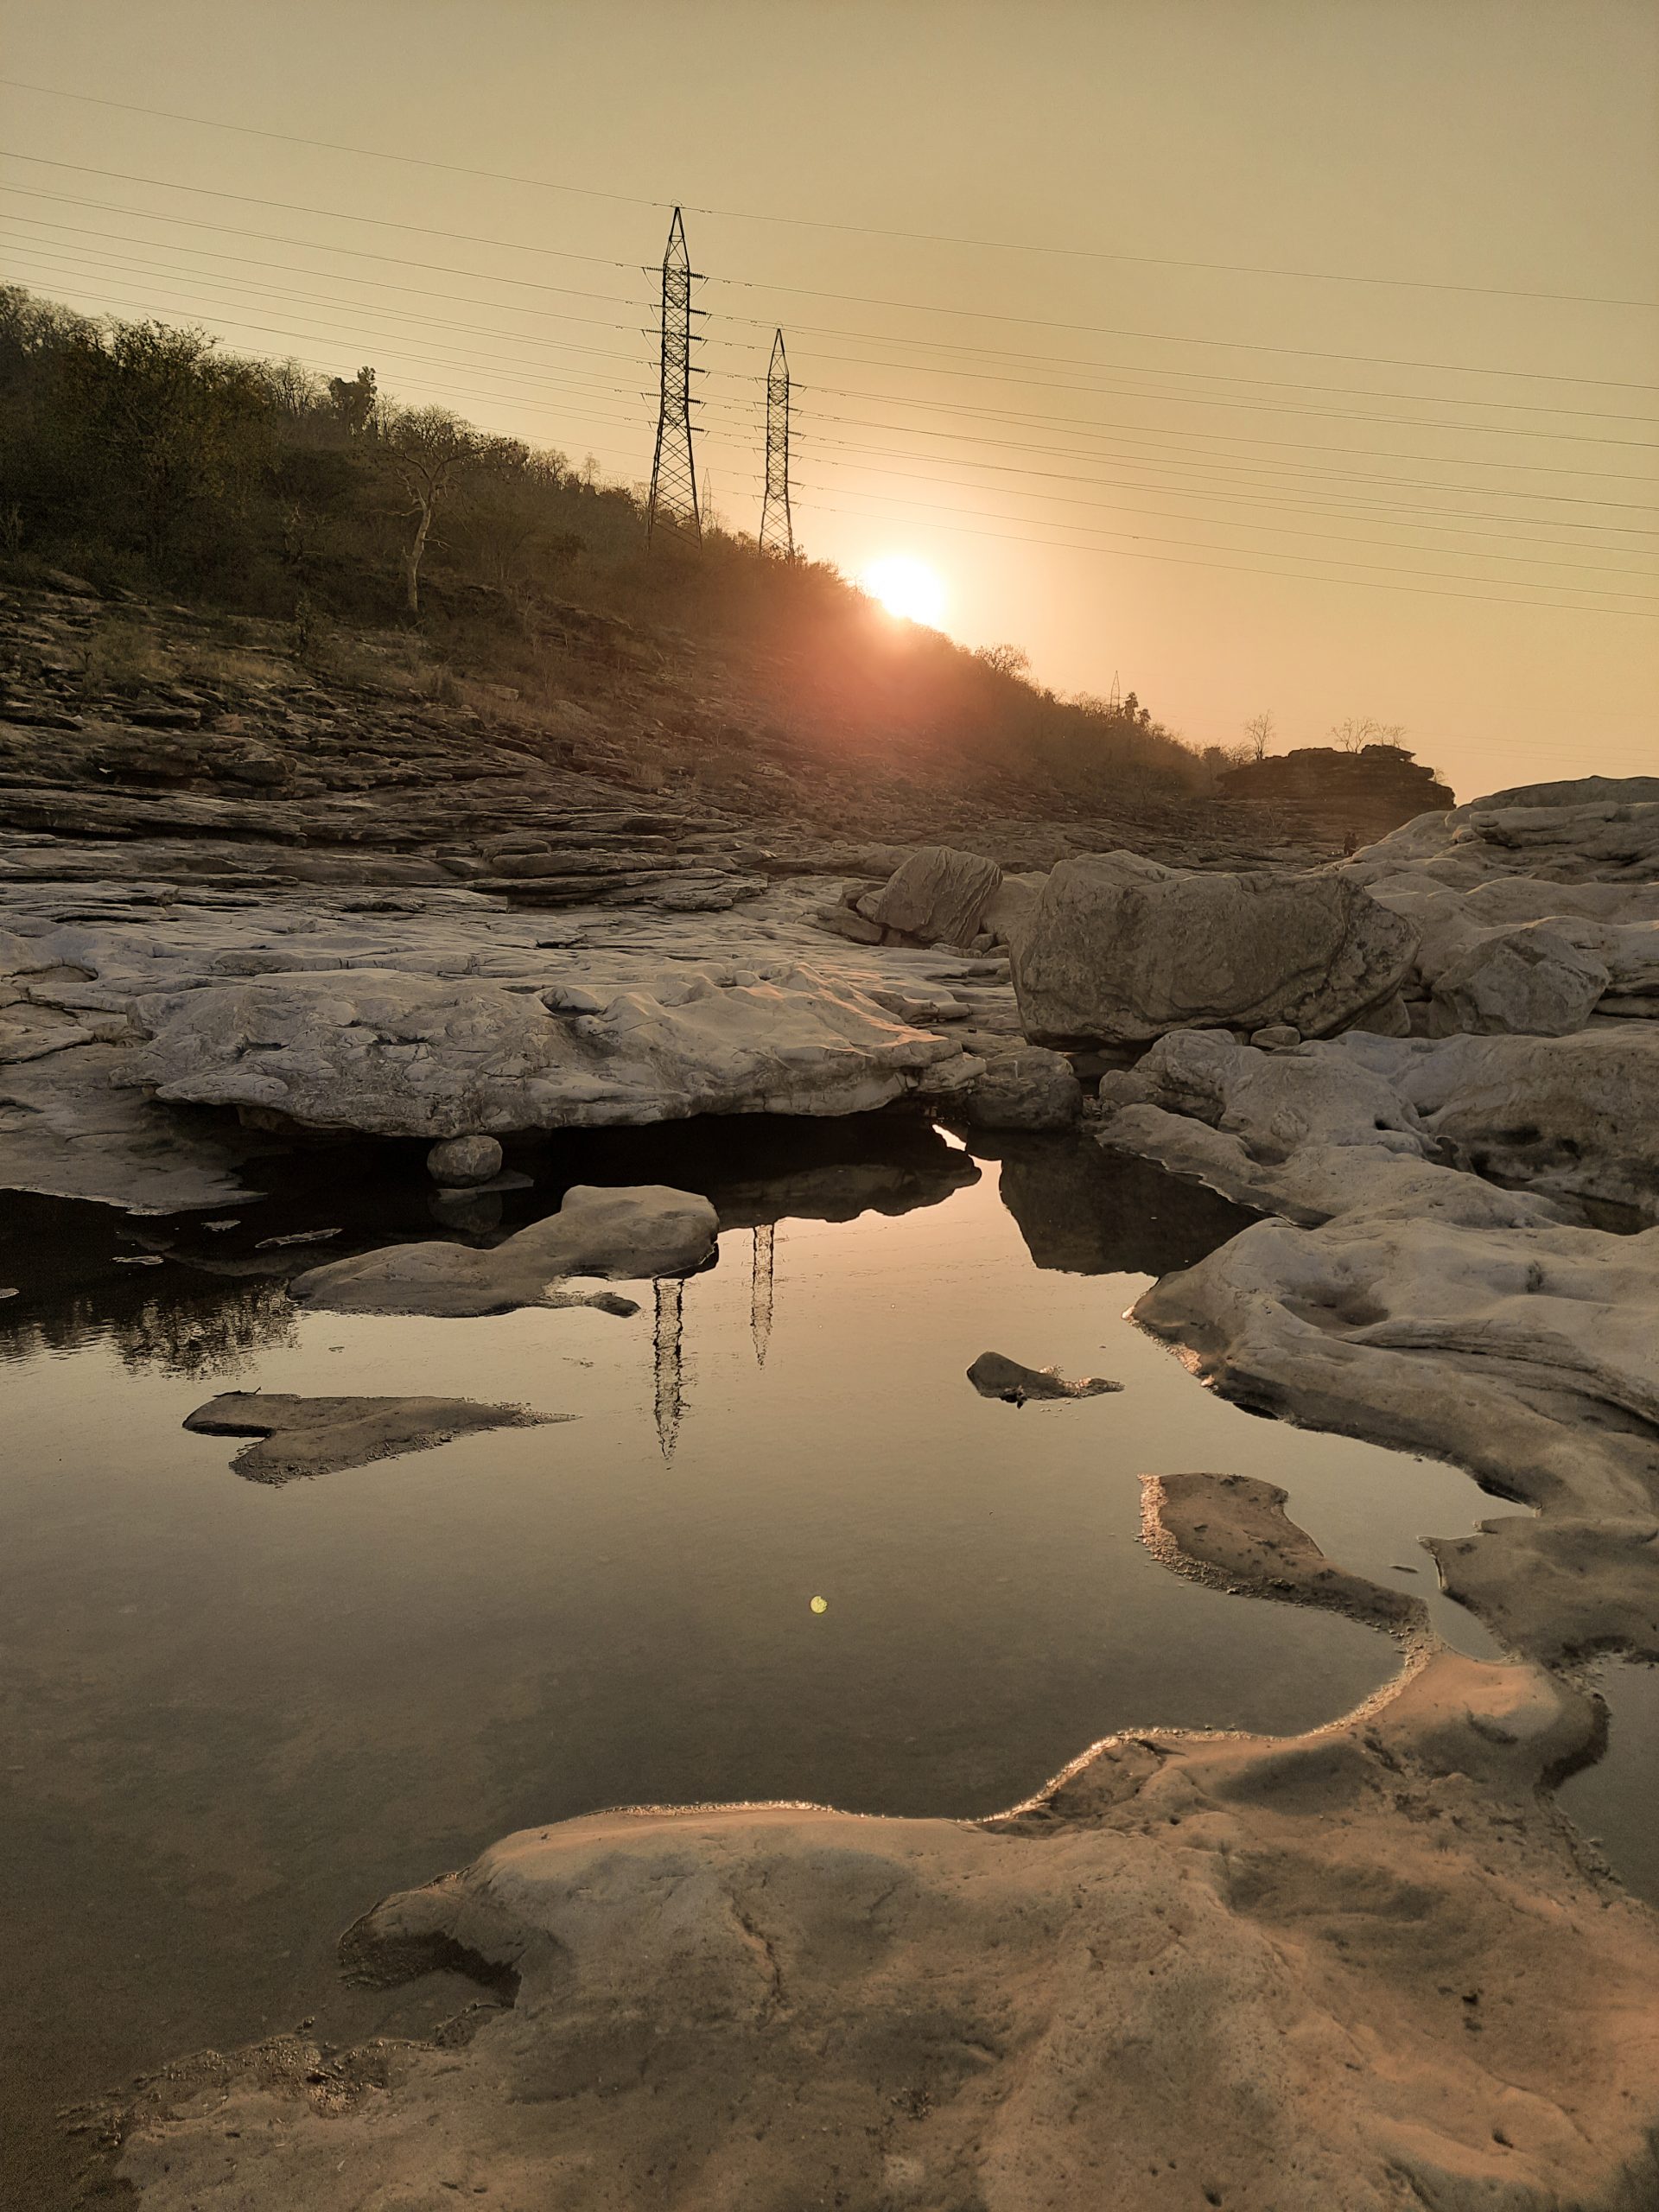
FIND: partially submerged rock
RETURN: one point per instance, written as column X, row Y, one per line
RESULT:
column 994, row 1375
column 1120, row 950
column 298, row 1437
column 1526, row 1350
column 627, row 1235
column 1029, row 1090
column 1294, row 1973
column 1232, row 1532
column 461, row 1163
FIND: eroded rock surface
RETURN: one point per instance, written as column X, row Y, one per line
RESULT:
column 1537, row 909
column 1340, row 1939
column 1118, row 948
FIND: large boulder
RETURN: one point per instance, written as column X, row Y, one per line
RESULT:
column 1032, row 1090
column 938, row 895
column 1120, row 950
column 1533, row 979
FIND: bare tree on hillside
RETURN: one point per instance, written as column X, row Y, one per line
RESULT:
column 1258, row 734
column 1358, row 731
column 427, row 450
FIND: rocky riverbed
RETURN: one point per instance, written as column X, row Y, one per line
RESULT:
column 1362, row 1960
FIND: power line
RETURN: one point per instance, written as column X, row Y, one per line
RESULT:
column 298, row 207
column 51, row 249
column 831, row 330
column 1233, row 568
column 1223, row 522
column 1108, row 330
column 860, row 230
column 332, row 276
column 1377, row 566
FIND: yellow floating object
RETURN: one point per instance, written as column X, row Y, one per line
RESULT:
column 820, row 1605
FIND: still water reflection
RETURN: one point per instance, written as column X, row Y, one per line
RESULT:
column 239, row 1713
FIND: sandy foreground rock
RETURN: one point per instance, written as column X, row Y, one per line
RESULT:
column 1357, row 1969
column 1118, row 948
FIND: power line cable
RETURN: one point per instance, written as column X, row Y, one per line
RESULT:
column 833, row 330
column 1282, row 576
column 862, row 230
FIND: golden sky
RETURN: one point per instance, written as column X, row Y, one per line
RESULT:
column 1283, row 354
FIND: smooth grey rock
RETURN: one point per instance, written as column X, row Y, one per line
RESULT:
column 1120, row 950
column 459, row 1162
column 648, row 1231
column 994, row 1375
column 938, row 895
column 1532, row 979
column 1030, row 1089
column 1010, row 907
column 1276, row 1037
column 396, row 1054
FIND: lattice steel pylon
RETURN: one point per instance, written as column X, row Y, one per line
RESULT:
column 777, row 524
column 673, row 509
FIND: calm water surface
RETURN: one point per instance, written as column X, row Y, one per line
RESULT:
column 238, row 1714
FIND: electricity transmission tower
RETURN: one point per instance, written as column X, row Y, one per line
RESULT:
column 673, row 507
column 777, row 524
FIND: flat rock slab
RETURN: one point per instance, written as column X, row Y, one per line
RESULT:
column 390, row 1053
column 297, row 1437
column 645, row 1231
column 994, row 1375
column 1232, row 1532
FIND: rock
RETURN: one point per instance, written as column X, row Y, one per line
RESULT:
column 632, row 1233
column 1297, row 1973
column 1332, row 794
column 1276, row 1037
column 1231, row 1531
column 457, row 1162
column 1573, row 1116
column 842, row 921
column 316, row 1436
column 938, row 895
column 396, row 1054
column 994, row 1375
column 1526, row 1349
column 1031, row 1090
column 1533, row 979
column 1120, row 950
column 1010, row 907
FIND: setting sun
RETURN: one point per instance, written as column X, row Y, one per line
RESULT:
column 907, row 588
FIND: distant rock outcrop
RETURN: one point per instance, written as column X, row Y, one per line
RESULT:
column 1329, row 793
